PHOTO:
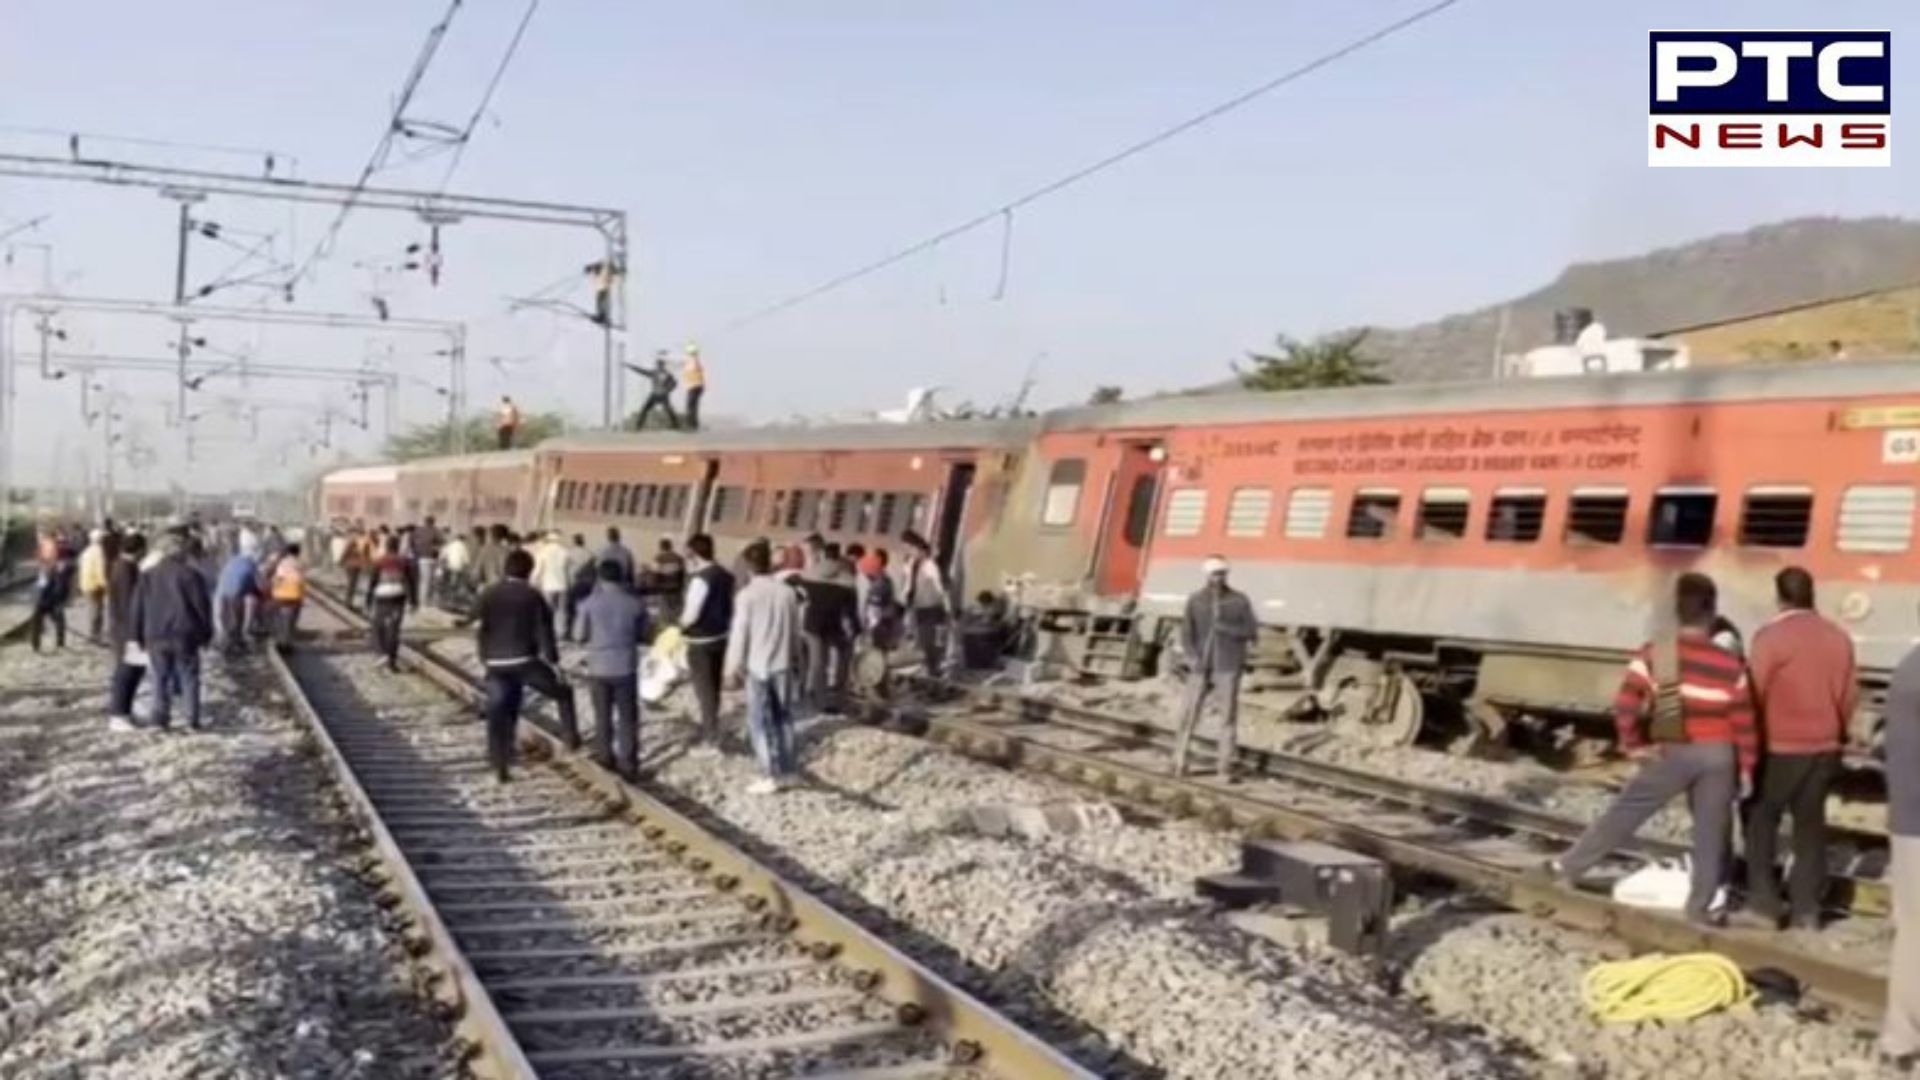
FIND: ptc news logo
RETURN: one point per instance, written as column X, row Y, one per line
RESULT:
column 1769, row 97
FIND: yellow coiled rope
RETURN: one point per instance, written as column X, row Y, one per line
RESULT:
column 1660, row 987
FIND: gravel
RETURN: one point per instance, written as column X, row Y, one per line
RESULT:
column 182, row 904
column 1099, row 928
column 1093, row 937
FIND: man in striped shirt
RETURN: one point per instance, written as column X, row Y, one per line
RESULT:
column 1709, row 753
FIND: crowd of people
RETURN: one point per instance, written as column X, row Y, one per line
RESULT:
column 155, row 605
column 781, row 624
column 1753, row 735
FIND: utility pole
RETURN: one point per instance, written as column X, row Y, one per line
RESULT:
column 186, row 197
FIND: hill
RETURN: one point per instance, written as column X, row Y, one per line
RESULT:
column 1712, row 280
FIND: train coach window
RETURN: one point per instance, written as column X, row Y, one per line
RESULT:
column 883, row 517
column 754, row 499
column 1682, row 517
column 915, row 510
column 1065, row 478
column 1597, row 516
column 1516, row 515
column 1373, row 514
column 863, row 503
column 1309, row 509
column 682, row 497
column 1186, row 511
column 1247, row 514
column 1443, row 513
column 837, row 512
column 1776, row 517
column 778, row 515
column 1876, row 518
column 725, row 503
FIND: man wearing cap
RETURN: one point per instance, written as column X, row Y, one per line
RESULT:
column 1218, row 629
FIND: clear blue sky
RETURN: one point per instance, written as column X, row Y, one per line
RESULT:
column 761, row 147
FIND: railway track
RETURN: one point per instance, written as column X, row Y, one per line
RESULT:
column 1857, row 859
column 581, row 928
column 1482, row 845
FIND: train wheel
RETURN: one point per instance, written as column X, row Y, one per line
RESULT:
column 1376, row 707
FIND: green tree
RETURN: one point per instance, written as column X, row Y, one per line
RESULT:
column 1331, row 361
column 428, row 440
column 1106, row 395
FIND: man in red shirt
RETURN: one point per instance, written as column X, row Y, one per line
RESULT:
column 1685, row 713
column 1804, row 684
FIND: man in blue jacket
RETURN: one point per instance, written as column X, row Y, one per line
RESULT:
column 237, row 595
column 172, row 620
column 614, row 626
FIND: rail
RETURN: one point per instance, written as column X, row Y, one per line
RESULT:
column 1471, row 852
column 976, row 1039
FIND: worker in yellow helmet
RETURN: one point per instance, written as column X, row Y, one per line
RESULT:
column 695, row 376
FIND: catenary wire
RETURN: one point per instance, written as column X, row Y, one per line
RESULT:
column 1085, row 172
column 486, row 98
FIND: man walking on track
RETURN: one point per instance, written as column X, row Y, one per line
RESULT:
column 129, row 663
column 1900, row 1034
column 705, row 622
column 518, row 650
column 95, row 562
column 694, row 374
column 506, row 423
column 1804, row 686
column 614, row 626
column 391, row 588
column 1216, row 633
column 171, row 621
column 1685, row 712
column 660, row 384
column 289, row 591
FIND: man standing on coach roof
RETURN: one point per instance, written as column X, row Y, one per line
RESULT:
column 614, row 626
column 1684, row 711
column 1804, row 687
column 1217, row 631
column 518, row 650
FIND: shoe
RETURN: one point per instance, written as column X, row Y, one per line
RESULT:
column 790, row 783
column 766, row 785
column 1811, row 923
column 502, row 775
column 120, row 725
column 1751, row 919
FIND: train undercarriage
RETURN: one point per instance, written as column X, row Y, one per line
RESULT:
column 1470, row 698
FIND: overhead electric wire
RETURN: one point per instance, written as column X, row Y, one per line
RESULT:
column 486, row 99
column 378, row 158
column 1086, row 171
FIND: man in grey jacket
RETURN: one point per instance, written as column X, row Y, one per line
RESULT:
column 766, row 621
column 1900, row 1033
column 614, row 626
column 1218, row 630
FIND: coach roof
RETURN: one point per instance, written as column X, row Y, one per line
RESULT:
column 1704, row 386
column 931, row 436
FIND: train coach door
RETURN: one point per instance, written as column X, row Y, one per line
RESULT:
column 953, row 512
column 1128, row 520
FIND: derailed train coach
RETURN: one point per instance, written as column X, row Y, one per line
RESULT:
column 867, row 483
column 1480, row 555
column 1466, row 557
